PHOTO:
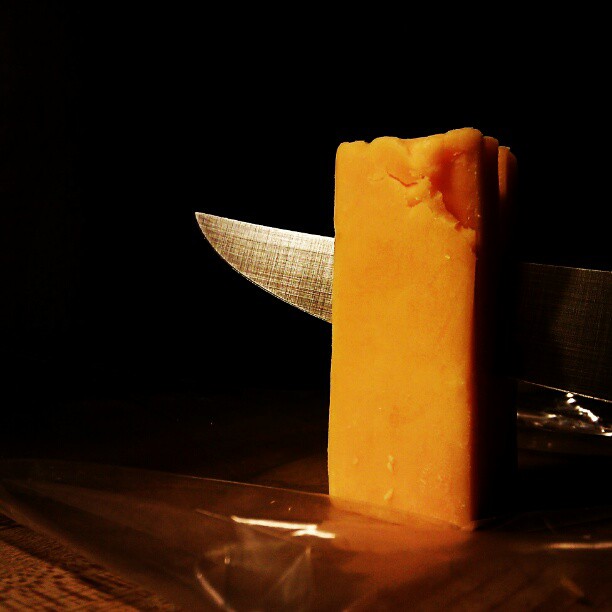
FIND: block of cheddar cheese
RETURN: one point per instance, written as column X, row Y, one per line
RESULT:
column 421, row 422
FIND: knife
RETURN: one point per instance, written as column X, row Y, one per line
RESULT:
column 562, row 324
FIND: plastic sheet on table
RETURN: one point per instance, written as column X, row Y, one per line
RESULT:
column 214, row 544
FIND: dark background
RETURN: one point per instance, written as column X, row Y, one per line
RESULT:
column 119, row 122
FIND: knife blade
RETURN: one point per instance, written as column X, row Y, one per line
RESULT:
column 562, row 327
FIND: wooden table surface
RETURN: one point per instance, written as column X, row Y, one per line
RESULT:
column 39, row 573
column 183, row 433
column 275, row 438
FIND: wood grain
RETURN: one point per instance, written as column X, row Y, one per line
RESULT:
column 39, row 573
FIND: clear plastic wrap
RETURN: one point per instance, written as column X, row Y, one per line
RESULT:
column 213, row 544
column 554, row 421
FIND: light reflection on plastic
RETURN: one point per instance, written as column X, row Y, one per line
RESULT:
column 299, row 529
column 587, row 412
column 581, row 545
column 210, row 590
column 572, row 400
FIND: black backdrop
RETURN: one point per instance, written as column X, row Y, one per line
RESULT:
column 120, row 122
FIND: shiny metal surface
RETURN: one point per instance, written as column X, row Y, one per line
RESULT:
column 293, row 266
column 563, row 329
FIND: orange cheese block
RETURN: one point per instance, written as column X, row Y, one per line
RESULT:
column 420, row 422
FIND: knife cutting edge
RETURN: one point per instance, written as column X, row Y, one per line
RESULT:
column 563, row 322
